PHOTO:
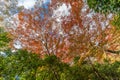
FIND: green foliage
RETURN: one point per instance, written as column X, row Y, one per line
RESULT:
column 105, row 6
column 116, row 21
column 4, row 39
column 53, row 69
column 19, row 63
column 109, row 70
column 25, row 65
column 76, row 59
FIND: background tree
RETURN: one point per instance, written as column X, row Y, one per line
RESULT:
column 105, row 6
column 8, row 8
column 112, row 8
column 4, row 39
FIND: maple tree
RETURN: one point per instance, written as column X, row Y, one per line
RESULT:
column 76, row 34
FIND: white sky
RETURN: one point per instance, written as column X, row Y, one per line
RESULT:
column 29, row 3
column 62, row 11
column 26, row 3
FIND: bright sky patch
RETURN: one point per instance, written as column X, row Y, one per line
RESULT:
column 26, row 3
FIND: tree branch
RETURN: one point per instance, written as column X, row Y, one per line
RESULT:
column 112, row 51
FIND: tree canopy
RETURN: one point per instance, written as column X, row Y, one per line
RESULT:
column 60, row 40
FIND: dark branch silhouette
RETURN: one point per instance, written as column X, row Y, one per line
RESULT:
column 112, row 51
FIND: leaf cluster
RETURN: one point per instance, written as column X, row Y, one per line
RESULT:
column 4, row 39
column 105, row 6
